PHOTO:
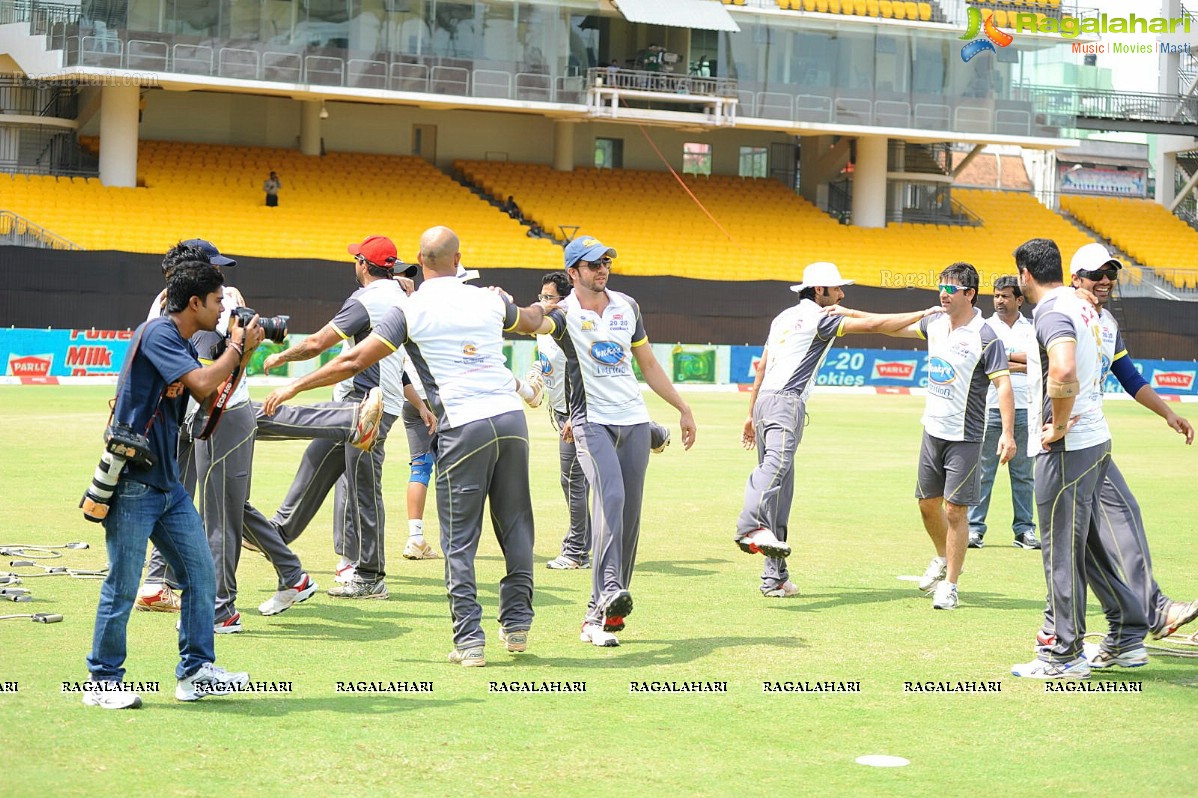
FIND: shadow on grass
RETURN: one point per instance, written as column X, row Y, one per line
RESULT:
column 680, row 567
column 636, row 653
column 813, row 602
column 354, row 703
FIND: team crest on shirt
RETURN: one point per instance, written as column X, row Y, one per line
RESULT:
column 609, row 353
column 940, row 372
column 469, row 349
column 587, row 324
column 544, row 364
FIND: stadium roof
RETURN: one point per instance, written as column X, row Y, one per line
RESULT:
column 695, row 14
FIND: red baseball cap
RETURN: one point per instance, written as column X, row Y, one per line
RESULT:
column 378, row 250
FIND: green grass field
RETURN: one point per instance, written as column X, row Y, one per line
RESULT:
column 698, row 616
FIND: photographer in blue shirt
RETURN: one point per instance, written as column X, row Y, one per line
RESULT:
column 138, row 495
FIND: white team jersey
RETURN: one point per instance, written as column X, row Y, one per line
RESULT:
column 961, row 364
column 552, row 362
column 375, row 298
column 598, row 348
column 799, row 340
column 1112, row 342
column 1019, row 339
column 1061, row 316
column 454, row 335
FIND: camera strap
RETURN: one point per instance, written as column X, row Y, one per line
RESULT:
column 223, row 393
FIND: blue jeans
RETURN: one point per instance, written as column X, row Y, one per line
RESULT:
column 1020, row 469
column 169, row 519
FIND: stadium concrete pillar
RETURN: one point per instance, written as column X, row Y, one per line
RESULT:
column 563, row 145
column 310, row 126
column 118, row 135
column 869, row 182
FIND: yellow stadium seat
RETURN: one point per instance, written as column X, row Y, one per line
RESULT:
column 925, row 12
column 897, row 9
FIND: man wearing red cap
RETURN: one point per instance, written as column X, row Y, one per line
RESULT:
column 358, row 514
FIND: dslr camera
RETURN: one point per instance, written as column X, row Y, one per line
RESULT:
column 121, row 445
column 273, row 327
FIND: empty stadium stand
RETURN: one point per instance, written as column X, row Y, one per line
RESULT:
column 768, row 232
column 216, row 191
column 1146, row 231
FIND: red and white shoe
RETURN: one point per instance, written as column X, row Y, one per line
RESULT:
column 286, row 599
column 366, row 425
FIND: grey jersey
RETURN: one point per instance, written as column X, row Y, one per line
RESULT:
column 1061, row 317
column 799, row 340
column 360, row 314
column 961, row 363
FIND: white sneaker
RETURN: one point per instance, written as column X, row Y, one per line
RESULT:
column 111, row 699
column 366, row 424
column 418, row 549
column 534, row 381
column 210, row 679
column 345, row 572
column 937, row 571
column 593, row 633
column 1100, row 658
column 763, row 541
column 1043, row 669
column 785, row 590
column 285, row 599
column 945, row 597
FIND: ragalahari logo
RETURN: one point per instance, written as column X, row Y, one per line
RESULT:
column 991, row 35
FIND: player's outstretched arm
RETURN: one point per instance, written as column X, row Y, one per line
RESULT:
column 364, row 355
column 655, row 377
column 306, row 349
column 1134, row 383
column 899, row 325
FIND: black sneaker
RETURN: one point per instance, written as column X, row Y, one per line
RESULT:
column 1026, row 541
column 975, row 540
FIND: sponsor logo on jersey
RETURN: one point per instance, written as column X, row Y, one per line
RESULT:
column 469, row 349
column 940, row 371
column 894, row 369
column 609, row 353
column 1177, row 380
column 544, row 364
column 587, row 324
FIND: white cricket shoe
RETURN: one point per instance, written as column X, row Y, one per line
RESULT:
column 936, row 572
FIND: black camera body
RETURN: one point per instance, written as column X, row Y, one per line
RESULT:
column 121, row 441
column 273, row 327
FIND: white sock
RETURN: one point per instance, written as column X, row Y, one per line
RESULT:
column 525, row 391
column 416, row 528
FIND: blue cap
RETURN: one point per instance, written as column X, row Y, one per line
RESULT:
column 586, row 248
column 210, row 252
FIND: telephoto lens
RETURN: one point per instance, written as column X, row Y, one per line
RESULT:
column 99, row 493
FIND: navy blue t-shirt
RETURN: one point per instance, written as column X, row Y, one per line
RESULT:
column 152, row 400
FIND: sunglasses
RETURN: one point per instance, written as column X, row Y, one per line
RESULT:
column 1111, row 274
column 602, row 263
column 547, row 297
column 952, row 289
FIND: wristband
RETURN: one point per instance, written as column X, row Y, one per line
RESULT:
column 240, row 349
column 1062, row 390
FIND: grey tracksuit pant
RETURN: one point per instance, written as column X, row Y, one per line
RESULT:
column 778, row 425
column 577, row 543
column 485, row 461
column 614, row 460
column 1075, row 555
column 330, row 462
